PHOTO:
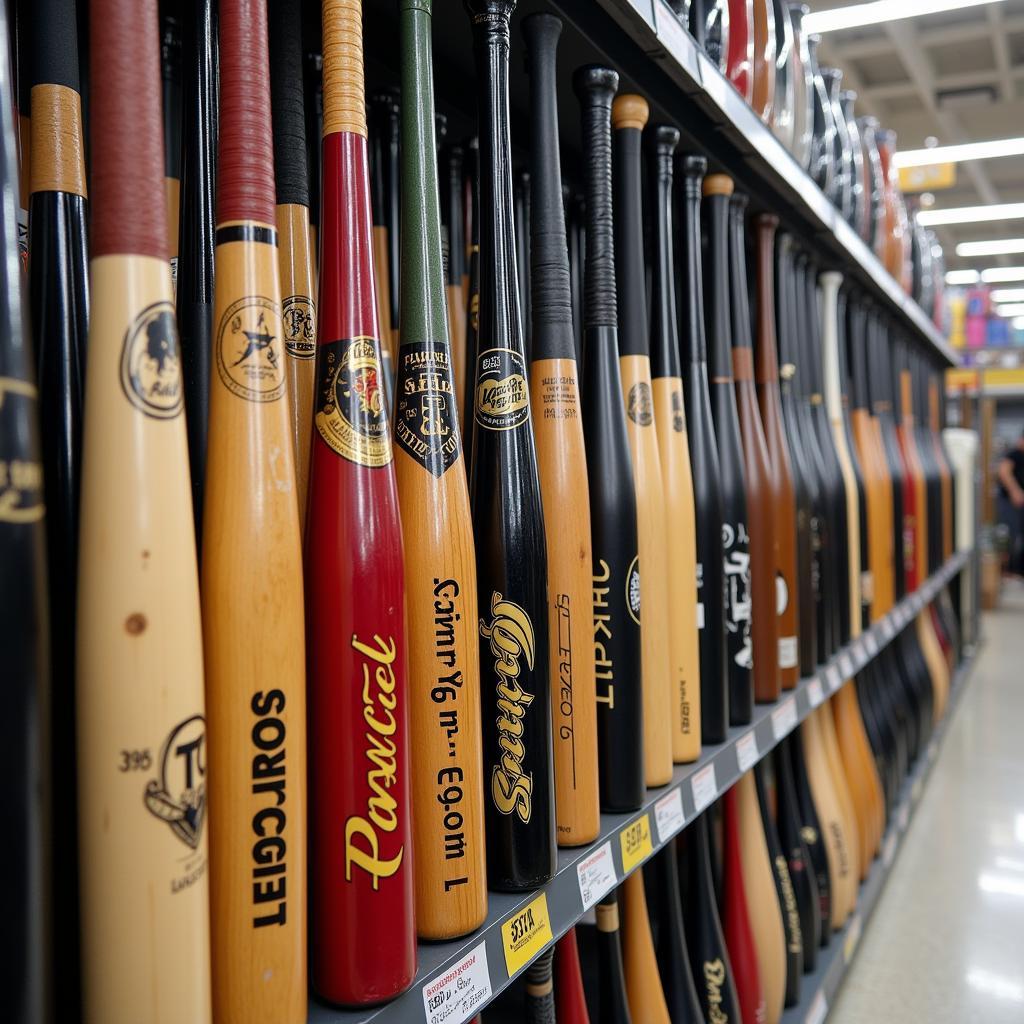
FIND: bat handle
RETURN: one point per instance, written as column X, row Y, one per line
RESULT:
column 344, row 86
column 288, row 102
column 596, row 86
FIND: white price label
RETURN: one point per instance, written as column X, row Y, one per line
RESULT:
column 672, row 35
column 596, row 875
column 714, row 82
column 857, row 652
column 704, row 786
column 852, row 938
column 903, row 818
column 889, row 849
column 888, row 628
column 455, row 996
column 668, row 815
column 833, row 680
column 818, row 1009
column 845, row 665
column 784, row 719
column 870, row 644
column 814, row 692
column 746, row 751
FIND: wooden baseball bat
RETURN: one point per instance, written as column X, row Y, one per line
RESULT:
column 252, row 572
column 613, row 513
column 194, row 290
column 643, row 983
column 471, row 288
column 291, row 178
column 761, row 485
column 384, row 110
column 312, row 77
column 562, row 462
column 787, row 509
column 577, row 246
column 24, row 632
column 629, row 115
column 735, row 511
column 21, row 79
column 362, row 877
column 142, row 751
column 441, row 595
column 570, row 1000
column 540, row 989
column 612, row 998
column 171, row 67
column 707, row 492
column 674, row 454
column 451, row 218
column 521, row 213
column 58, row 289
column 508, row 520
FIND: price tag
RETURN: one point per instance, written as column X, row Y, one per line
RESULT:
column 845, row 665
column 455, row 996
column 635, row 841
column 889, row 849
column 596, row 874
column 525, row 934
column 852, row 938
column 903, row 817
column 704, row 786
column 673, row 36
column 814, row 692
column 833, row 680
column 746, row 751
column 857, row 652
column 668, row 815
column 715, row 84
column 888, row 628
column 784, row 719
column 818, row 1009
column 870, row 644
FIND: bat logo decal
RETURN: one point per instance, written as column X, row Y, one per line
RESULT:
column 299, row 326
column 247, row 355
column 502, row 395
column 426, row 417
column 151, row 363
column 178, row 796
column 640, row 408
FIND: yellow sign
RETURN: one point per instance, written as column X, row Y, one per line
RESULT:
column 929, row 178
column 635, row 840
column 525, row 934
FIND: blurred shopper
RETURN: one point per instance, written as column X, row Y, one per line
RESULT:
column 1011, row 503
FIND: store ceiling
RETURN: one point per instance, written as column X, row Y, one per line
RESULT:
column 957, row 76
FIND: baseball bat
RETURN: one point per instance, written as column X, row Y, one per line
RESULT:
column 570, row 1000
column 508, row 520
column 761, row 485
column 707, row 491
column 787, row 509
column 140, row 702
column 612, row 997
column 291, row 178
column 441, row 596
column 58, row 286
column 643, row 983
column 629, row 115
column 577, row 247
column 471, row 288
column 21, row 78
column 170, row 67
column 355, row 585
column 194, row 290
column 390, row 128
column 24, row 630
column 451, row 218
column 384, row 110
column 251, row 575
column 613, row 513
column 540, row 989
column 562, row 461
column 674, row 453
column 735, row 512
column 521, row 213
column 847, row 800
column 312, row 77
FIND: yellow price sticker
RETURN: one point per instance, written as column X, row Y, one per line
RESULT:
column 635, row 840
column 526, row 933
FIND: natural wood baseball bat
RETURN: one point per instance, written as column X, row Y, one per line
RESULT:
column 643, row 983
column 451, row 218
column 171, row 68
column 252, row 573
column 142, row 751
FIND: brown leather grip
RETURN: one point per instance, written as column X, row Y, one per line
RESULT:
column 245, row 171
column 128, row 202
column 344, row 86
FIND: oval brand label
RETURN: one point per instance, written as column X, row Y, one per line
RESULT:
column 21, row 480
column 299, row 326
column 502, row 395
column 249, row 349
column 633, row 589
column 350, row 414
column 426, row 424
column 151, row 363
column 639, row 407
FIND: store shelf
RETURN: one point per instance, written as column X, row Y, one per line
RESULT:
column 819, row 988
column 482, row 962
column 658, row 32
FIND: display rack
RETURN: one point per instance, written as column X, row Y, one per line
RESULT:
column 519, row 926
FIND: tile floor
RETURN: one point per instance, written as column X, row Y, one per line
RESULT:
column 946, row 943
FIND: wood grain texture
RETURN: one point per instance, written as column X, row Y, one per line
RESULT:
column 643, row 982
column 826, row 723
column 653, row 563
column 456, row 297
column 878, row 498
column 562, row 467
column 141, row 740
column 254, row 643
column 681, row 545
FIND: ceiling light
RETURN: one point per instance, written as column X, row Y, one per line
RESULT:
column 971, row 214
column 1018, row 323
column 997, row 247
column 1007, row 295
column 881, row 10
column 1013, row 309
column 999, row 275
column 962, row 277
column 953, row 154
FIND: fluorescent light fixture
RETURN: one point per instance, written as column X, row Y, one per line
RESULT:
column 971, row 214
column 1000, row 275
column 881, row 10
column 1011, row 309
column 997, row 247
column 1007, row 295
column 1018, row 323
column 954, row 154
column 962, row 277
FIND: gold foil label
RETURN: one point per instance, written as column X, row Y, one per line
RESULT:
column 502, row 393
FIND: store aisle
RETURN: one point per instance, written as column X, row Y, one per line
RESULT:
column 944, row 944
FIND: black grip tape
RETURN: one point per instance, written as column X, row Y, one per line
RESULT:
column 287, row 101
column 53, row 44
